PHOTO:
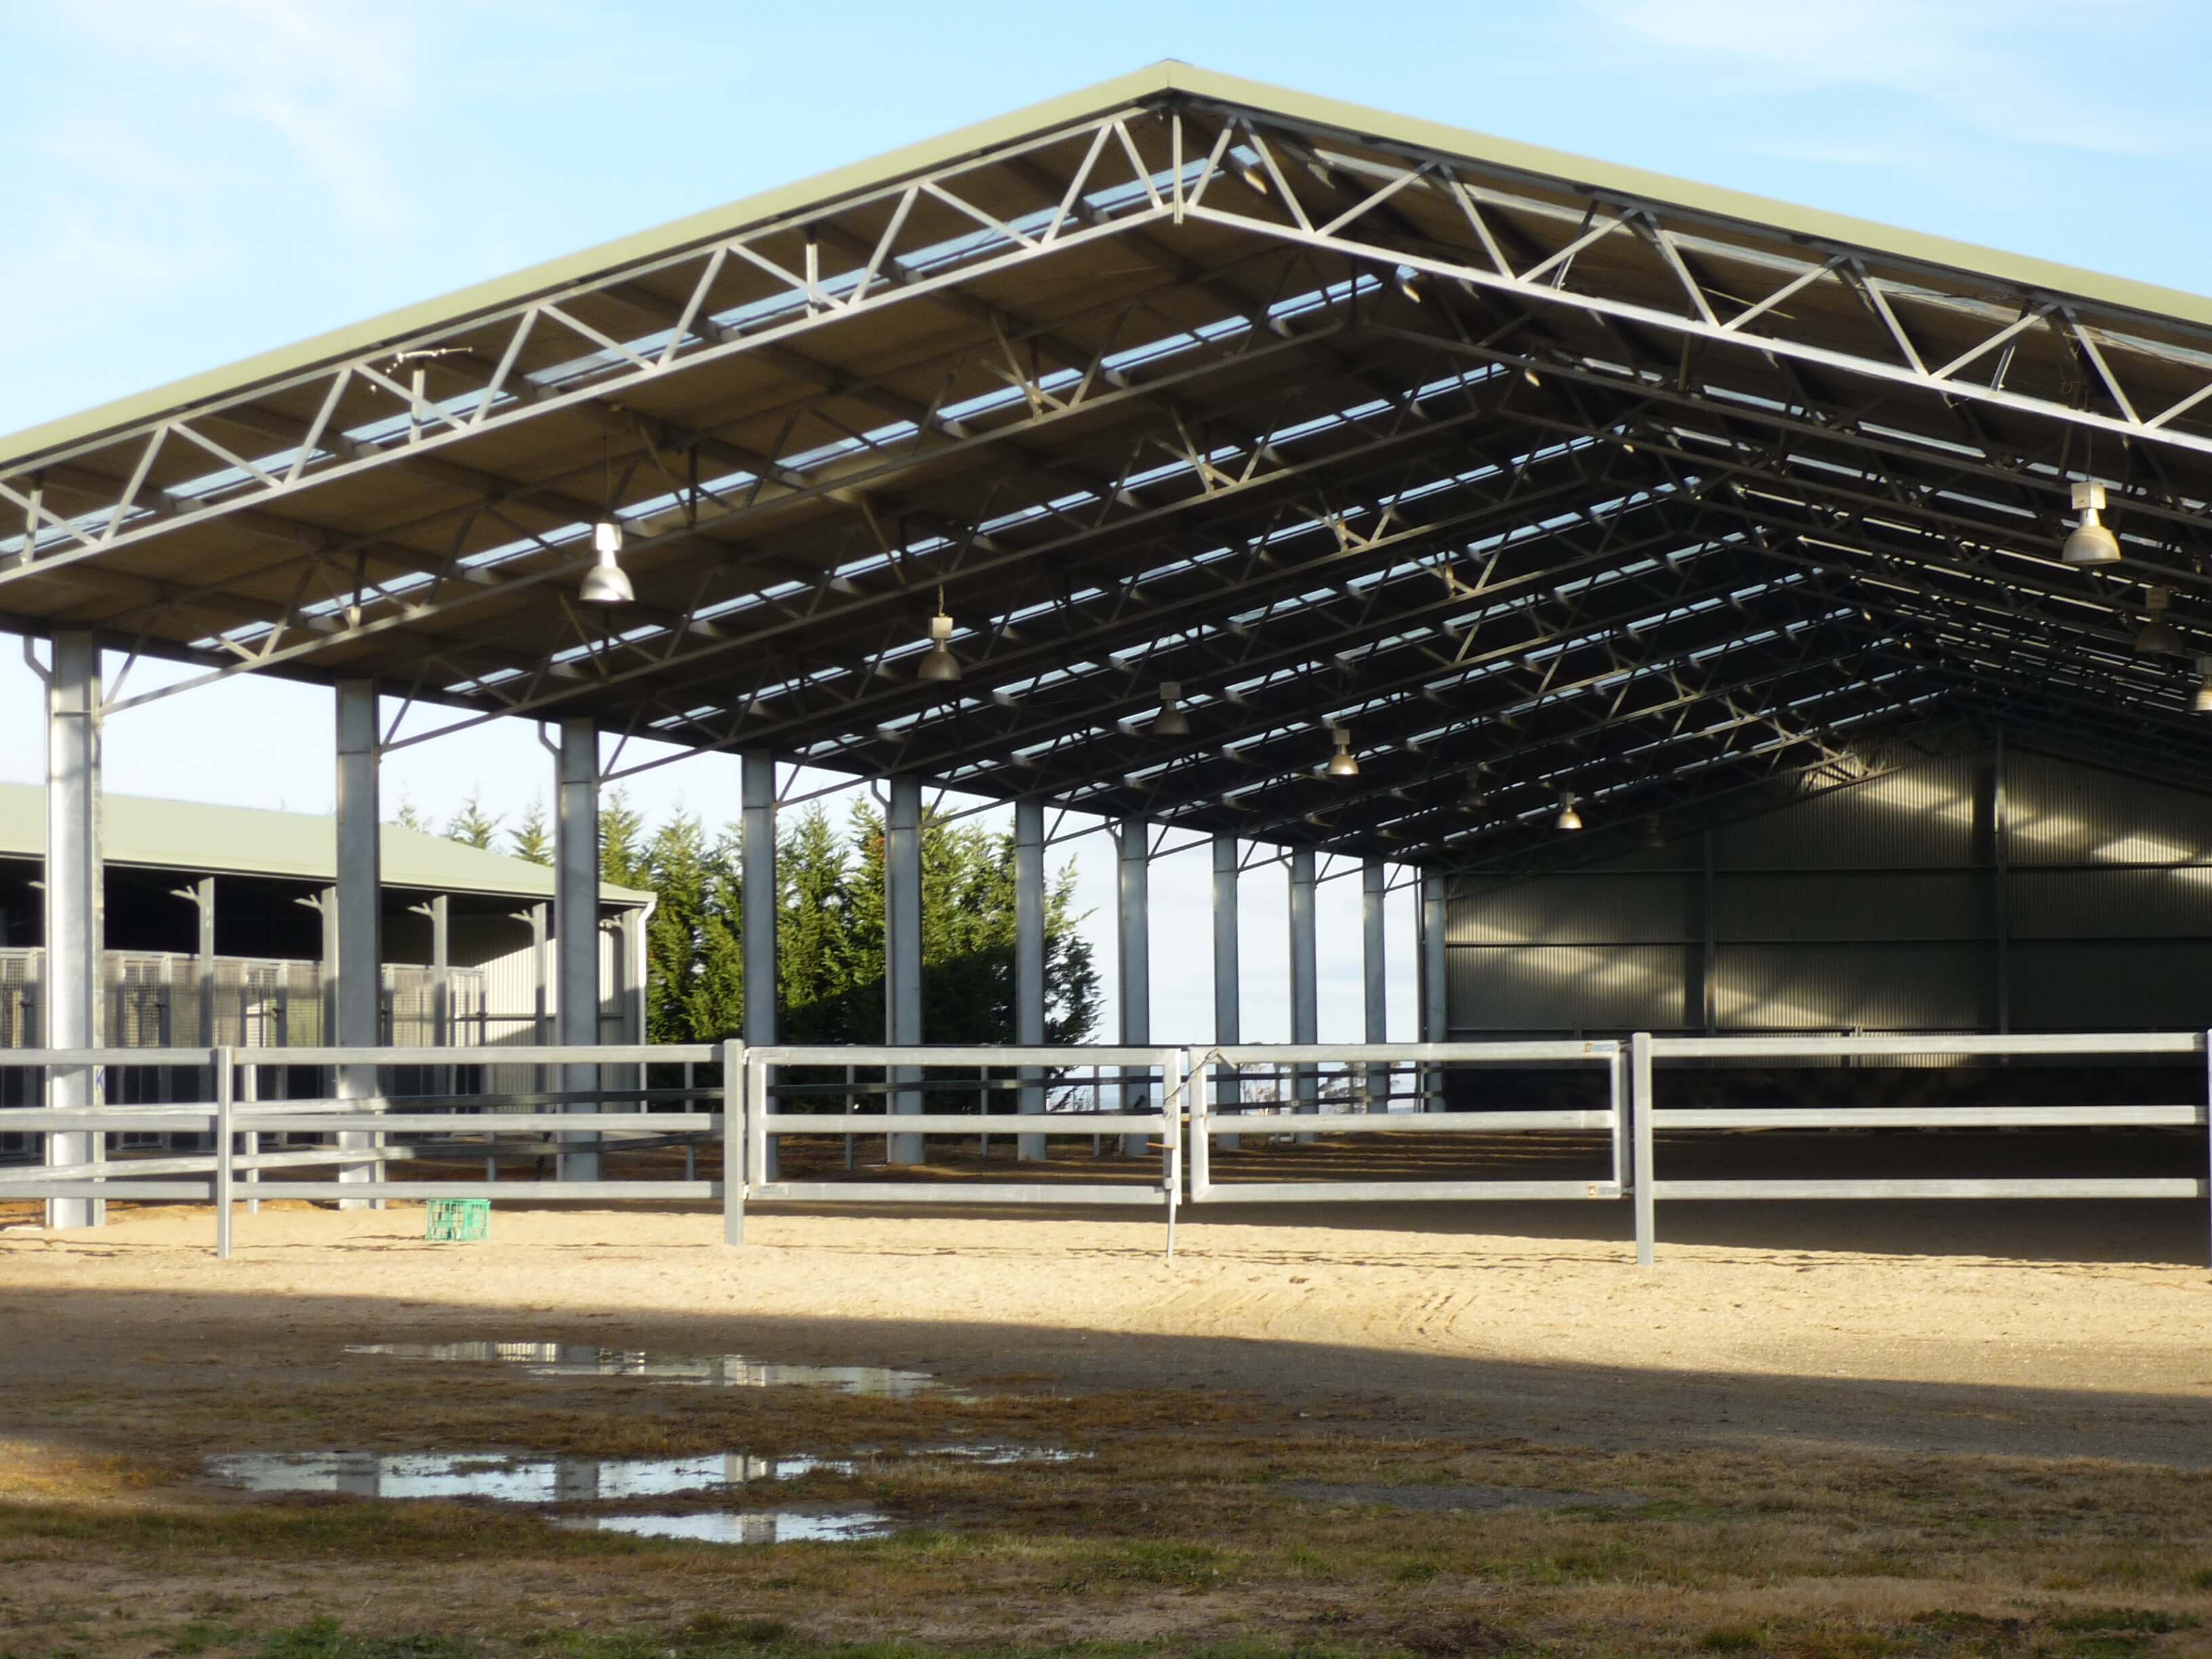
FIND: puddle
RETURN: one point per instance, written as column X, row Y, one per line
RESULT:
column 505, row 1479
column 993, row 1454
column 728, row 1370
column 541, row 1478
column 757, row 1526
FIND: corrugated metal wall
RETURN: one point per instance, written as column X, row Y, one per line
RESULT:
column 1996, row 890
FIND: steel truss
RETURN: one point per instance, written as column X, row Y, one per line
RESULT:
column 1521, row 479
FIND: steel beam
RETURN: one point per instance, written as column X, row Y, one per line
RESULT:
column 1029, row 959
column 1132, row 893
column 903, row 1023
column 576, row 926
column 75, row 905
column 357, row 911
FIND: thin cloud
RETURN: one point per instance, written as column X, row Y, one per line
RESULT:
column 1990, row 68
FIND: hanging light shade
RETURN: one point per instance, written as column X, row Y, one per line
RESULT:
column 606, row 582
column 2202, row 703
column 1568, row 818
column 2090, row 542
column 1252, row 178
column 2156, row 637
column 1473, row 795
column 1343, row 764
column 1170, row 721
column 1409, row 282
column 939, row 663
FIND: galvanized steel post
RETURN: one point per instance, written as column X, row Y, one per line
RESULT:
column 733, row 1142
column 75, row 922
column 1374, row 973
column 1133, row 909
column 576, row 929
column 356, row 912
column 1435, row 1010
column 1029, row 962
column 902, row 952
column 1305, row 977
column 219, row 1067
column 758, row 911
column 1228, row 987
column 1639, row 1106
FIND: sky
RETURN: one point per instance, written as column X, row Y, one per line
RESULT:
column 192, row 181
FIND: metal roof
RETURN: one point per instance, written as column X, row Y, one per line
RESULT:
column 1521, row 466
column 191, row 835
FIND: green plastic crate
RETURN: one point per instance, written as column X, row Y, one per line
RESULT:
column 460, row 1220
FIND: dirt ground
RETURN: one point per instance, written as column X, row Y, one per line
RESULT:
column 1979, row 1427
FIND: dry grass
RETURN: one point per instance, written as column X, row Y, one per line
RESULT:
column 1179, row 1534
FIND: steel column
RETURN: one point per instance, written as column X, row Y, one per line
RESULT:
column 1228, row 987
column 1029, row 961
column 1133, row 904
column 1708, row 1011
column 576, row 926
column 356, row 913
column 202, row 897
column 75, row 917
column 1305, row 976
column 1434, row 981
column 759, row 900
column 903, row 948
column 441, row 982
column 1640, row 1108
column 1375, row 976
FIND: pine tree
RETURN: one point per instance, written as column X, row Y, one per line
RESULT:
column 530, row 840
column 829, row 946
column 472, row 826
column 674, row 867
column 816, row 953
column 622, row 842
column 410, row 817
column 717, row 1004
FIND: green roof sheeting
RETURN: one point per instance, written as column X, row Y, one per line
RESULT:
column 190, row 835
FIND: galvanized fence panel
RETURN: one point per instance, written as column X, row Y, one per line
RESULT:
column 1302, row 1063
column 1650, row 1117
column 904, row 1085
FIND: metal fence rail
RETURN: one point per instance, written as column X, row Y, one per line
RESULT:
column 227, row 1119
column 904, row 1085
column 747, row 1112
column 1209, row 1123
column 1650, row 1117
